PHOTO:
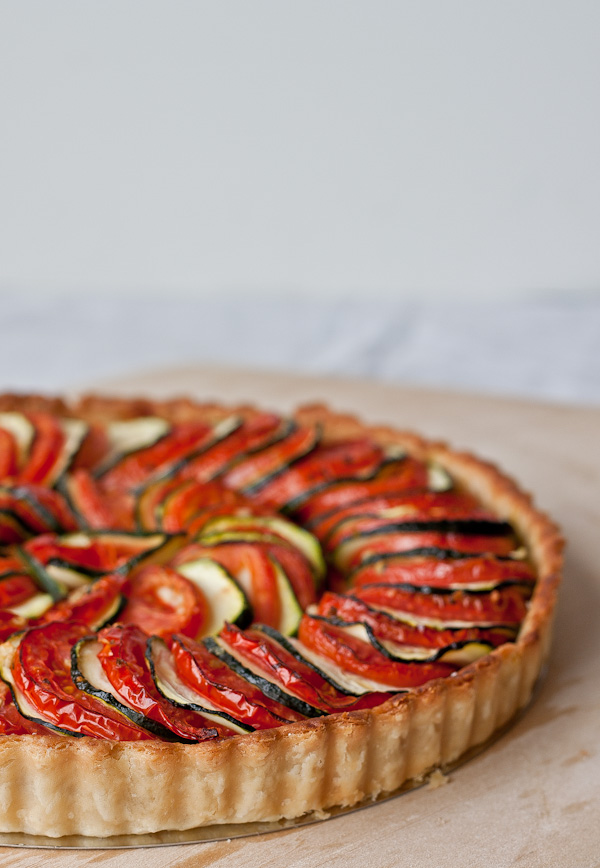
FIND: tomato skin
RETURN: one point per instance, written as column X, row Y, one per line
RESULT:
column 87, row 605
column 42, row 671
column 137, row 468
column 440, row 573
column 9, row 624
column 325, row 464
column 351, row 609
column 251, row 436
column 123, row 660
column 16, row 589
column 213, row 679
column 8, row 455
column 45, row 451
column 363, row 659
column 393, row 478
column 503, row 605
column 161, row 601
column 294, row 676
column 410, row 505
column 253, row 470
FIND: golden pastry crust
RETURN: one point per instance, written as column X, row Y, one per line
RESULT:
column 56, row 787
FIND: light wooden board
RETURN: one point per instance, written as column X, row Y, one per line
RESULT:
column 533, row 798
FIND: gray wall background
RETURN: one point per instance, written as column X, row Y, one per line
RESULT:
column 395, row 149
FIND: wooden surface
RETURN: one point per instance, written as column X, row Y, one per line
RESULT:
column 533, row 798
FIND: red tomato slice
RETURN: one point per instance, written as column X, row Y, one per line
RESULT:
column 212, row 679
column 384, row 626
column 349, row 460
column 295, row 676
column 409, row 505
column 135, row 469
column 161, row 602
column 45, row 451
column 94, row 448
column 12, row 722
column 16, row 589
column 90, row 604
column 88, row 501
column 351, row 553
column 8, row 455
column 9, row 624
column 192, row 503
column 252, row 435
column 361, row 658
column 123, row 660
column 394, row 477
column 103, row 553
column 42, row 671
column 503, row 605
column 442, row 573
column 253, row 471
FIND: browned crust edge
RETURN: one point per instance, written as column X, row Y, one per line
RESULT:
column 89, row 787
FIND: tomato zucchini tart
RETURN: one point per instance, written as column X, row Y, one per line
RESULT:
column 213, row 615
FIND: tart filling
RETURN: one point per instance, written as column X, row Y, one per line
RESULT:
column 195, row 602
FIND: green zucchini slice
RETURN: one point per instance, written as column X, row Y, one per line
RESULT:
column 89, row 676
column 131, row 435
column 226, row 599
column 22, row 430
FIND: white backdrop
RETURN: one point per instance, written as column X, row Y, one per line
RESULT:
column 400, row 149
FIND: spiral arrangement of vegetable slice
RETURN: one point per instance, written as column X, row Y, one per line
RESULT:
column 197, row 580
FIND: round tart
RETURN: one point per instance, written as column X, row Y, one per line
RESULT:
column 215, row 615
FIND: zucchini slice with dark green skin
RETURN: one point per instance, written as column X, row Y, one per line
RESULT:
column 226, row 599
column 128, row 436
column 22, row 430
column 170, row 685
column 88, row 676
column 270, row 688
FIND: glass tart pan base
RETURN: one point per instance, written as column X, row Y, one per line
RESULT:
column 225, row 832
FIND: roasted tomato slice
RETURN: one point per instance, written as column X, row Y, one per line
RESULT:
column 384, row 626
column 161, row 601
column 496, row 538
column 144, row 464
column 9, row 624
column 254, row 434
column 503, row 605
column 361, row 658
column 123, row 660
column 253, row 472
column 265, row 653
column 186, row 506
column 440, row 568
column 92, row 605
column 12, row 722
column 396, row 507
column 325, row 465
column 393, row 477
column 16, row 589
column 94, row 508
column 9, row 455
column 252, row 568
column 94, row 448
column 214, row 680
column 46, row 449
column 95, row 553
column 42, row 672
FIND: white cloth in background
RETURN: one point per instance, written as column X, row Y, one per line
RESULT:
column 546, row 350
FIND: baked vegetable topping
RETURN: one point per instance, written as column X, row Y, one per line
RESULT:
column 192, row 579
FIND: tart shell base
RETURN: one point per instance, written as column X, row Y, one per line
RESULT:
column 89, row 787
